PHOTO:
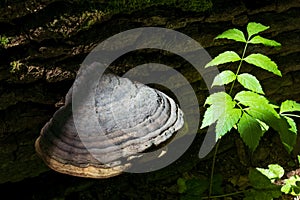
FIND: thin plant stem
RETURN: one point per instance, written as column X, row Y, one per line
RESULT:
column 213, row 169
column 291, row 115
column 239, row 67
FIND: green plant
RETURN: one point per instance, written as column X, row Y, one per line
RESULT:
column 264, row 185
column 248, row 111
column 15, row 66
column 4, row 40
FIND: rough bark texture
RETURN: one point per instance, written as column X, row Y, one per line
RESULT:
column 49, row 39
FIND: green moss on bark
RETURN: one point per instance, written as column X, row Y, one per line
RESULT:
column 121, row 6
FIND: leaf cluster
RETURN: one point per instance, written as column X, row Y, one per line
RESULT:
column 249, row 111
column 262, row 181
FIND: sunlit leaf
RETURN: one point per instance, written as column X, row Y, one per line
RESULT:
column 211, row 115
column 274, row 171
column 291, row 122
column 227, row 120
column 250, row 82
column 264, row 127
column 225, row 57
column 291, row 186
column 289, row 106
column 254, row 28
column 250, row 131
column 220, row 98
column 224, row 78
column 260, row 40
column 263, row 62
column 220, row 102
column 249, row 98
column 232, row 34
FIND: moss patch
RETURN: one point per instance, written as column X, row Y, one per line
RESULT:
column 128, row 6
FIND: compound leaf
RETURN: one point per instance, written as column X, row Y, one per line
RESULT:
column 223, row 78
column 227, row 120
column 283, row 125
column 263, row 62
column 289, row 106
column 250, row 82
column 254, row 28
column 232, row 34
column 260, row 40
column 250, row 131
column 225, row 57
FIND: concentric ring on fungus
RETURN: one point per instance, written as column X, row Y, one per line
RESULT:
column 132, row 116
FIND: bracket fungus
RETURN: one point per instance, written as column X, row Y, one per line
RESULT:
column 131, row 117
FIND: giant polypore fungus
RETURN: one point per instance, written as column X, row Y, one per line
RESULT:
column 132, row 117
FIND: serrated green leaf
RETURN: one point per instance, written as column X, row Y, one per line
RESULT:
column 220, row 102
column 232, row 34
column 211, row 115
column 250, row 131
column 263, row 62
column 286, row 128
column 227, row 120
column 273, row 172
column 289, row 106
column 225, row 57
column 254, row 28
column 277, row 170
column 224, row 78
column 259, row 106
column 290, row 186
column 250, row 82
column 260, row 40
column 267, row 114
column 248, row 98
column 291, row 122
column 220, row 98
